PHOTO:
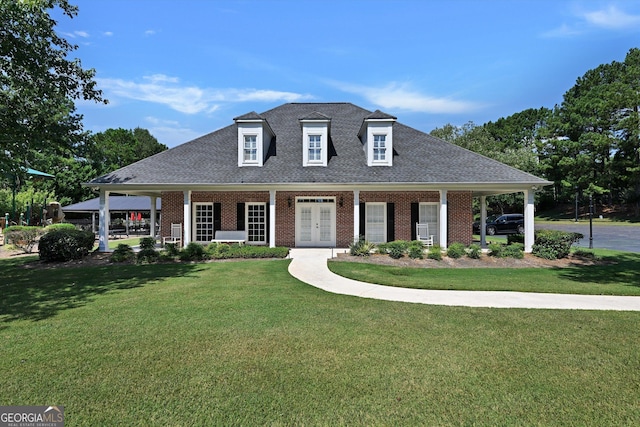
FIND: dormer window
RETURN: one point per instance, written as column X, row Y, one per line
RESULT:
column 379, row 148
column 250, row 148
column 376, row 134
column 254, row 138
column 315, row 148
column 315, row 139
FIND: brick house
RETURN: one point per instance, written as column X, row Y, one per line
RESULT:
column 318, row 174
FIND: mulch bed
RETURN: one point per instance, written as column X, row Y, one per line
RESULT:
column 485, row 261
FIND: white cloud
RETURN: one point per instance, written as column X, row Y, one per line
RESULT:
column 562, row 31
column 612, row 18
column 76, row 34
column 403, row 97
column 107, row 33
column 170, row 132
column 166, row 90
column 149, row 32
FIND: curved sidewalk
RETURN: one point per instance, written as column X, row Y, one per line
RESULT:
column 310, row 266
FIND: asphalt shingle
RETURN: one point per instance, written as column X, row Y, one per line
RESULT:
column 418, row 157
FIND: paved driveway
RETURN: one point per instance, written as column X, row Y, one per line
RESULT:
column 619, row 237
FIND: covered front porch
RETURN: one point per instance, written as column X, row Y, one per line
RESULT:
column 285, row 213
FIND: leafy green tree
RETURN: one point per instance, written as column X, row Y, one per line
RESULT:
column 115, row 148
column 480, row 140
column 38, row 84
column 146, row 144
column 595, row 144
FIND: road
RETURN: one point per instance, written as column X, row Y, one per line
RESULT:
column 618, row 237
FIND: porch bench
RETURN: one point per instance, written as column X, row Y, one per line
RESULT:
column 229, row 237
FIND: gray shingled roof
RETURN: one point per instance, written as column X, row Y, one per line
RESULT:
column 116, row 203
column 418, row 157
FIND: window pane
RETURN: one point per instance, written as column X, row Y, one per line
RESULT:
column 203, row 222
column 428, row 214
column 379, row 147
column 256, row 222
column 250, row 148
column 375, row 229
column 315, row 147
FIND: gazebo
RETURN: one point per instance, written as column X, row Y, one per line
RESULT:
column 127, row 214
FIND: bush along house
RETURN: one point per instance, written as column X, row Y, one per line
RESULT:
column 318, row 175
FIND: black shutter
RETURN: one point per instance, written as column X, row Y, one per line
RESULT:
column 415, row 214
column 240, row 217
column 391, row 222
column 363, row 220
column 217, row 217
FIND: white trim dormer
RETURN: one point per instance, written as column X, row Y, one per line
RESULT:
column 315, row 139
column 254, row 139
column 376, row 134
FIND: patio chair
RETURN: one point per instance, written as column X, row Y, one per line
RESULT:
column 176, row 235
column 422, row 234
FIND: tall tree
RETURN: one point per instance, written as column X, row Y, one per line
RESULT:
column 38, row 84
column 116, row 148
column 596, row 132
column 146, row 144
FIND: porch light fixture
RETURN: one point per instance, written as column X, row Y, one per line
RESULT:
column 289, row 201
column 341, row 201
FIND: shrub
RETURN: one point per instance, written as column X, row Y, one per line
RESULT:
column 60, row 226
column 361, row 247
column 397, row 248
column 123, row 253
column 495, row 249
column 171, row 249
column 474, row 251
column 383, row 248
column 23, row 237
column 65, row 244
column 554, row 244
column 147, row 255
column 456, row 250
column 416, row 249
column 193, row 252
column 515, row 250
column 435, row 252
column 218, row 250
column 147, row 243
column 515, row 238
column 248, row 251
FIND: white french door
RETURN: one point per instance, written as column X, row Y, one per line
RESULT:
column 315, row 222
column 203, row 222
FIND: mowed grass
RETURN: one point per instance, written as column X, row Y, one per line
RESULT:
column 243, row 343
column 618, row 275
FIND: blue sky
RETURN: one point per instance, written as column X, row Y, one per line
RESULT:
column 185, row 68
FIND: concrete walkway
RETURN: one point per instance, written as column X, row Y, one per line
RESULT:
column 310, row 266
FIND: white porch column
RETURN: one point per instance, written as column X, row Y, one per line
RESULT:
column 152, row 218
column 103, row 222
column 186, row 239
column 356, row 215
column 443, row 219
column 483, row 221
column 529, row 225
column 272, row 218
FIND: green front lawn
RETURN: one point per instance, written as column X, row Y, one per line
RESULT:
column 243, row 343
column 620, row 276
